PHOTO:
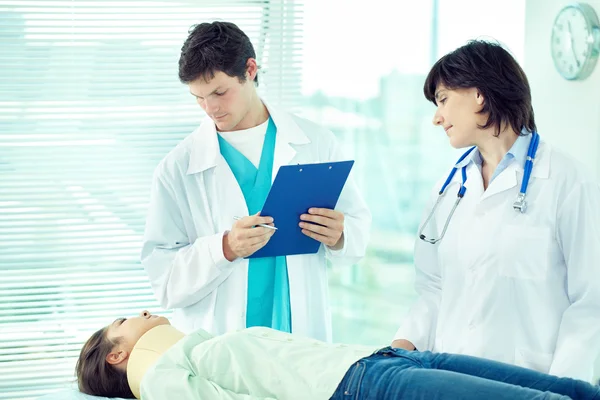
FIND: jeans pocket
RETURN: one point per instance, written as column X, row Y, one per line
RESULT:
column 533, row 360
column 352, row 389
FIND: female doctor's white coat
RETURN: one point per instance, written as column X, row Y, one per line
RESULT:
column 193, row 201
column 517, row 288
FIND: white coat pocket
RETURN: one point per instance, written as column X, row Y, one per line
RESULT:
column 525, row 252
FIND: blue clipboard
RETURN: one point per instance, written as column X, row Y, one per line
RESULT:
column 297, row 188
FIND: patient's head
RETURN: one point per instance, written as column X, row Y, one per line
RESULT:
column 102, row 365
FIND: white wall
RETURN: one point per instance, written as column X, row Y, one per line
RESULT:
column 462, row 20
column 567, row 113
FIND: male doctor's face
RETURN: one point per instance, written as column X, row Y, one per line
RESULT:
column 457, row 112
column 225, row 99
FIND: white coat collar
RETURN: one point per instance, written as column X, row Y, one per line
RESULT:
column 205, row 152
column 508, row 179
column 541, row 164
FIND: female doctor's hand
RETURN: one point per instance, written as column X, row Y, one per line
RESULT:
column 324, row 225
column 403, row 344
column 245, row 238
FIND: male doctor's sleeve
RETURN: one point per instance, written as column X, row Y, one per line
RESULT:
column 578, row 233
column 181, row 273
column 419, row 326
column 357, row 217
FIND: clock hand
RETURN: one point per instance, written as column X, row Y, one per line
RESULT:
column 572, row 43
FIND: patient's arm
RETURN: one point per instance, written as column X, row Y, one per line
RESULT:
column 179, row 383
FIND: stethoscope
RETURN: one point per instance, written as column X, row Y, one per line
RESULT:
column 519, row 205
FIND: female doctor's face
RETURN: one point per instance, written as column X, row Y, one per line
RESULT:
column 457, row 112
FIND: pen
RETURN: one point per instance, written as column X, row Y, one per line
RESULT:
column 263, row 225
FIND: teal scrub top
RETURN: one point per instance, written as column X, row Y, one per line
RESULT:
column 268, row 300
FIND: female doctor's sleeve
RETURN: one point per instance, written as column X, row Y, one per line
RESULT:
column 578, row 233
column 181, row 273
column 419, row 326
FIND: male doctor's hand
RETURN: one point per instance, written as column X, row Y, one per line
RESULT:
column 324, row 225
column 245, row 238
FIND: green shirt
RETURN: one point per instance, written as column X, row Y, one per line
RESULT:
column 254, row 363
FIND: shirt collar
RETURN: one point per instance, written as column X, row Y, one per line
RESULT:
column 518, row 151
column 205, row 153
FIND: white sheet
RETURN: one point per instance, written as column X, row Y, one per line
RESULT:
column 71, row 393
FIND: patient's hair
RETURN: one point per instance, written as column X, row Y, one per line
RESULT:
column 95, row 376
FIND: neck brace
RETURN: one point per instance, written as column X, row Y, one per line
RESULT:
column 146, row 351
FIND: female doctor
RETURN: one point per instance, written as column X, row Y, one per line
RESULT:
column 508, row 255
column 195, row 250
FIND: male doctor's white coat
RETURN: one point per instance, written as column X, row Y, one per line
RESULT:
column 518, row 288
column 193, row 201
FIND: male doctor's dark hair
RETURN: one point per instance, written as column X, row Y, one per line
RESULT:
column 215, row 47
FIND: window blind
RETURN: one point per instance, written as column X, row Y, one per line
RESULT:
column 89, row 103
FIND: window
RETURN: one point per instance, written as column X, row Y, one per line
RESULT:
column 89, row 103
column 368, row 89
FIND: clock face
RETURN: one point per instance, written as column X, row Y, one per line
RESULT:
column 573, row 43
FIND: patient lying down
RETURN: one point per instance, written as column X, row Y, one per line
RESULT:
column 147, row 358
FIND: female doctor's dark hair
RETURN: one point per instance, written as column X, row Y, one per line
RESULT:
column 496, row 74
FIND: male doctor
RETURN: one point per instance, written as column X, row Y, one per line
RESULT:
column 193, row 251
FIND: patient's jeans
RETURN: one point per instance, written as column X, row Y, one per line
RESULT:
column 408, row 375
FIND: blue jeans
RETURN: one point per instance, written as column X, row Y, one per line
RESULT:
column 408, row 375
